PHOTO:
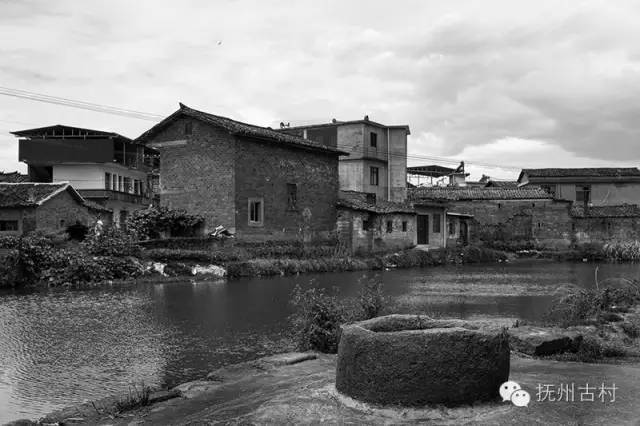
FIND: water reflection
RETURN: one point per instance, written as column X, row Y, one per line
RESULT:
column 62, row 347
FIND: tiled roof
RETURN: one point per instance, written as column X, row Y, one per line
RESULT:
column 64, row 131
column 501, row 184
column 95, row 206
column 583, row 172
column 13, row 177
column 28, row 194
column 358, row 201
column 455, row 193
column 239, row 128
column 624, row 210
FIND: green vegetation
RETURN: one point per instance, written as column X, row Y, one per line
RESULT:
column 318, row 316
column 153, row 221
column 592, row 306
column 624, row 251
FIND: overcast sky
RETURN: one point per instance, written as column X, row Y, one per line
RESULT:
column 514, row 83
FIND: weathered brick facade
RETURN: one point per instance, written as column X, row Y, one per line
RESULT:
column 376, row 237
column 547, row 222
column 214, row 173
column 55, row 214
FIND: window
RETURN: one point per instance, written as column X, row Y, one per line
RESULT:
column 373, row 176
column 389, row 226
column 436, row 223
column 292, row 196
column 8, row 225
column 452, row 227
column 404, row 226
column 373, row 140
column 256, row 211
column 107, row 181
column 188, row 128
column 127, row 184
column 61, row 223
column 114, row 183
column 583, row 193
column 366, row 225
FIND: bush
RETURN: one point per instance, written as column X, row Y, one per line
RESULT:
column 317, row 318
column 316, row 322
column 151, row 222
column 622, row 250
column 27, row 257
column 582, row 306
column 90, row 269
column 112, row 241
column 371, row 300
column 632, row 329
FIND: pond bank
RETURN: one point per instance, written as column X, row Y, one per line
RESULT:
column 300, row 388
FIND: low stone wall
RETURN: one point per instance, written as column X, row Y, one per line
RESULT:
column 413, row 360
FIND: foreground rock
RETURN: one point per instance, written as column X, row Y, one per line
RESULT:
column 542, row 341
column 413, row 360
column 272, row 391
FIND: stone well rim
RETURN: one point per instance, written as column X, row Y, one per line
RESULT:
column 419, row 324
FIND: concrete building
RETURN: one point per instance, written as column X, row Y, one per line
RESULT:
column 255, row 181
column 27, row 207
column 377, row 161
column 103, row 167
column 590, row 186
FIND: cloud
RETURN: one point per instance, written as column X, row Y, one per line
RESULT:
column 465, row 75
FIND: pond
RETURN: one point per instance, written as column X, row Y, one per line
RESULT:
column 62, row 347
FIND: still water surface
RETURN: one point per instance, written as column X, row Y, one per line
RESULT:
column 62, row 347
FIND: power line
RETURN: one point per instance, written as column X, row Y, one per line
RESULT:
column 107, row 109
column 39, row 97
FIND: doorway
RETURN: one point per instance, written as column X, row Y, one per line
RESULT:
column 423, row 229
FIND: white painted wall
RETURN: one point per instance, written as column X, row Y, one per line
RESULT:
column 91, row 176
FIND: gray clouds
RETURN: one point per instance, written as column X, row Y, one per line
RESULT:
column 469, row 77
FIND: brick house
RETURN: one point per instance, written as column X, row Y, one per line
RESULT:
column 529, row 214
column 255, row 181
column 606, row 223
column 369, row 225
column 27, row 207
column 604, row 186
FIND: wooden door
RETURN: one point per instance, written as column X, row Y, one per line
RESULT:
column 423, row 229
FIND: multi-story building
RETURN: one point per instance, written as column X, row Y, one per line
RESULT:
column 605, row 186
column 104, row 167
column 377, row 160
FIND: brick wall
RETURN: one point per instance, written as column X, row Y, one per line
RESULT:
column 263, row 171
column 376, row 239
column 605, row 229
column 61, row 211
column 213, row 173
column 547, row 222
column 197, row 171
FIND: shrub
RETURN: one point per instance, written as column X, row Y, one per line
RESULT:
column 632, row 329
column 371, row 300
column 316, row 320
column 151, row 222
column 112, row 241
column 136, row 398
column 27, row 257
column 92, row 269
column 170, row 255
column 622, row 250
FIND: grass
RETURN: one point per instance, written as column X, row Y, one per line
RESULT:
column 626, row 251
column 136, row 398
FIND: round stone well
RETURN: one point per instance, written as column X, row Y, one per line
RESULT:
column 415, row 360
